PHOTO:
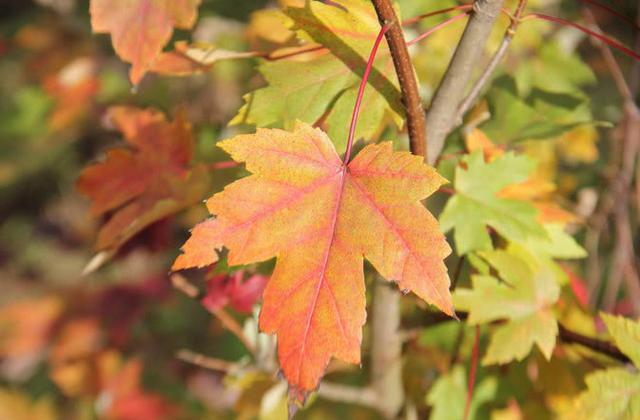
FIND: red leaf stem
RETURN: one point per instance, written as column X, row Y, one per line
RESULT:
column 363, row 84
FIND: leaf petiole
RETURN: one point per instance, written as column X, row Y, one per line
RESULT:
column 363, row 85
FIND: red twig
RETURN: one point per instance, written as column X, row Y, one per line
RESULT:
column 435, row 28
column 363, row 85
column 472, row 373
column 613, row 12
column 601, row 37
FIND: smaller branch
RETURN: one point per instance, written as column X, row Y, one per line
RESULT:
column 594, row 344
column 204, row 361
column 234, row 327
column 451, row 90
column 416, row 124
column 613, row 12
column 437, row 27
column 386, row 348
column 472, row 97
column 610, row 60
column 348, row 394
column 565, row 334
column 180, row 283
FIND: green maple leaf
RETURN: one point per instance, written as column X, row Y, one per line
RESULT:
column 626, row 334
column 448, row 394
column 325, row 87
column 558, row 244
column 613, row 394
column 553, row 70
column 539, row 114
column 475, row 204
column 523, row 299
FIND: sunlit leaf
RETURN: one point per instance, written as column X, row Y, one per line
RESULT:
column 320, row 219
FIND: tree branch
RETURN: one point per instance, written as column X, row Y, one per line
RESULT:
column 387, row 392
column 441, row 114
column 348, row 394
column 179, row 282
column 416, row 122
column 565, row 334
column 594, row 344
column 472, row 97
column 204, row 361
column 624, row 266
column 386, row 348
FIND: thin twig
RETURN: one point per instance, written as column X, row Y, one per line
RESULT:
column 619, row 195
column 204, row 361
column 415, row 117
column 614, row 12
column 451, row 90
column 565, row 334
column 437, row 27
column 610, row 60
column 234, row 327
column 348, row 394
column 180, row 283
column 599, row 346
column 491, row 67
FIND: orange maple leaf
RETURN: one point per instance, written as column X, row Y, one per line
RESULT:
column 141, row 28
column 320, row 218
column 144, row 184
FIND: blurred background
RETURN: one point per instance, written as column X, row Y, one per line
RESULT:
column 119, row 341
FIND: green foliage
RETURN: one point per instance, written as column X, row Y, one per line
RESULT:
column 448, row 395
column 523, row 295
column 614, row 393
column 626, row 334
column 475, row 206
column 558, row 243
column 324, row 86
column 538, row 114
column 535, row 178
column 552, row 69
